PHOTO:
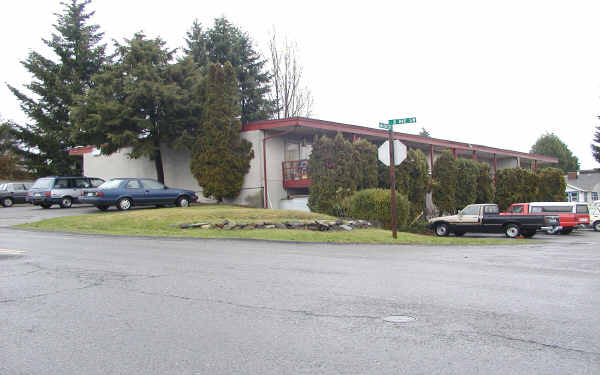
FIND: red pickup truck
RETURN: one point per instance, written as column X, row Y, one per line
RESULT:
column 571, row 214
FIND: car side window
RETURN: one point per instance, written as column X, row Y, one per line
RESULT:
column 471, row 210
column 18, row 187
column 516, row 209
column 491, row 210
column 82, row 183
column 61, row 183
column 152, row 185
column 96, row 182
column 133, row 184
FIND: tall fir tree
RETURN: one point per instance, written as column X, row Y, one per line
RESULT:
column 220, row 158
column 485, row 184
column 142, row 101
column 226, row 42
column 466, row 182
column 596, row 146
column 444, row 184
column 57, row 80
column 365, row 165
column 551, row 185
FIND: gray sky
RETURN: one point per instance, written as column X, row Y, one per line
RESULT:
column 497, row 73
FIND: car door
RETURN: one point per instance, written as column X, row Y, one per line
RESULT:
column 20, row 192
column 157, row 193
column 79, row 185
column 468, row 219
column 135, row 190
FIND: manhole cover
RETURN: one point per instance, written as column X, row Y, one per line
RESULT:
column 399, row 319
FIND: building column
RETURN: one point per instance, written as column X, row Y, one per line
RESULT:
column 518, row 162
column 454, row 152
column 431, row 158
column 535, row 166
column 474, row 155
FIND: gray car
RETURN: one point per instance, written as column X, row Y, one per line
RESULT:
column 63, row 191
column 13, row 192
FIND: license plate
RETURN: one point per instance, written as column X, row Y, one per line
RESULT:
column 38, row 194
column 91, row 194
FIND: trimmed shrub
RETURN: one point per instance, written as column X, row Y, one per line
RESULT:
column 412, row 180
column 485, row 184
column 466, row 182
column 365, row 165
column 515, row 185
column 375, row 205
column 551, row 185
column 444, row 182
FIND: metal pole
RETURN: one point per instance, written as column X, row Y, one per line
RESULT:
column 392, row 183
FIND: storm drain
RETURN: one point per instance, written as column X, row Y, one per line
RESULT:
column 399, row 319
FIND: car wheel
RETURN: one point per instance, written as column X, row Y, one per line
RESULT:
column 124, row 204
column 442, row 230
column 46, row 206
column 66, row 202
column 7, row 202
column 597, row 226
column 512, row 231
column 183, row 201
column 102, row 208
column 459, row 234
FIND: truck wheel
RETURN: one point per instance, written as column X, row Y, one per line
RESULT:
column 566, row 230
column 596, row 226
column 512, row 231
column 441, row 230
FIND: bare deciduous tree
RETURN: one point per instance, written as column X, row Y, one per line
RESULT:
column 291, row 98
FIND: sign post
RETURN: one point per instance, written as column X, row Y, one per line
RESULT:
column 392, row 163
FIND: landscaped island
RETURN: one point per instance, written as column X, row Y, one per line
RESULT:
column 166, row 221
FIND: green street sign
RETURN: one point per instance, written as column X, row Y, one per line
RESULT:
column 400, row 121
column 383, row 125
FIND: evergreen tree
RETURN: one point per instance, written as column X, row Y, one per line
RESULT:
column 551, row 186
column 333, row 172
column 466, row 182
column 515, row 185
column 412, row 180
column 596, row 147
column 226, row 42
column 220, row 158
column 140, row 101
column 424, row 133
column 56, row 81
column 551, row 145
column 444, row 184
column 365, row 165
column 485, row 184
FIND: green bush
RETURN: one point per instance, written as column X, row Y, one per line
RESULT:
column 551, row 185
column 466, row 182
column 515, row 185
column 375, row 205
column 444, row 182
column 485, row 184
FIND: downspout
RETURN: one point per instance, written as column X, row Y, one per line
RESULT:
column 266, row 198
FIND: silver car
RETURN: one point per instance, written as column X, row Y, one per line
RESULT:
column 63, row 191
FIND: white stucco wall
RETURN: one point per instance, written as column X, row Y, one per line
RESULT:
column 510, row 162
column 117, row 165
column 252, row 187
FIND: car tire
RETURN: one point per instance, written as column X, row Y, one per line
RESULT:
column 512, row 231
column 442, row 230
column 124, row 204
column 596, row 226
column 7, row 202
column 45, row 206
column 183, row 201
column 102, row 208
column 459, row 234
column 66, row 202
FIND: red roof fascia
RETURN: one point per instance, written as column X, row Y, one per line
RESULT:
column 355, row 129
column 81, row 150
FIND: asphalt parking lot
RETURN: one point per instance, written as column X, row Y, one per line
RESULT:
column 27, row 213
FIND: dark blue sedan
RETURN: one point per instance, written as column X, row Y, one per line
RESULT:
column 128, row 192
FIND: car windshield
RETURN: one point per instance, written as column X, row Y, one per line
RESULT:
column 112, row 184
column 43, row 183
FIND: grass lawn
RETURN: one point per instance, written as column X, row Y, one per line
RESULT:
column 155, row 222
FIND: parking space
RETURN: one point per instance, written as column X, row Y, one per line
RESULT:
column 27, row 213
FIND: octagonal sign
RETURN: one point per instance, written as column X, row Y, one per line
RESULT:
column 399, row 152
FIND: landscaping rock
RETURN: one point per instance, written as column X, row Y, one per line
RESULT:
column 206, row 226
column 184, row 226
column 346, row 227
column 270, row 226
column 197, row 225
column 280, row 226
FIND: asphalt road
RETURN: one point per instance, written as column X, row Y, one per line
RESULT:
column 83, row 304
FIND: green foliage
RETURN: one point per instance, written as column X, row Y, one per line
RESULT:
column 596, row 147
column 220, row 158
column 226, row 42
column 466, row 182
column 374, row 205
column 515, row 185
column 551, row 145
column 551, row 185
column 424, row 133
column 444, row 184
column 365, row 164
column 485, row 184
column 332, row 165
column 140, row 101
column 45, row 139
column 412, row 180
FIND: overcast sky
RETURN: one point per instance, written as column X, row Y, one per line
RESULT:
column 496, row 73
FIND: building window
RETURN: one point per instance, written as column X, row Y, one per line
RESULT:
column 594, row 195
column 573, row 196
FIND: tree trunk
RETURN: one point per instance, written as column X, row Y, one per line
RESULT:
column 160, row 173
